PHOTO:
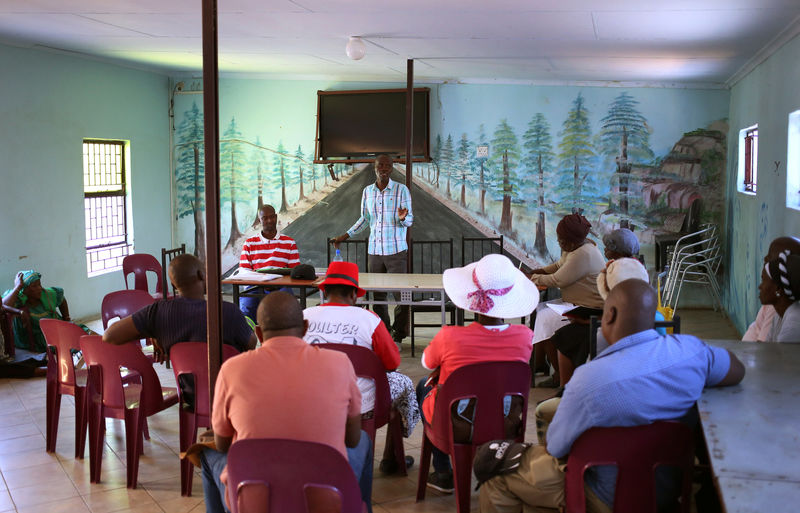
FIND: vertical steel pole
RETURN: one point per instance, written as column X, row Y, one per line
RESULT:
column 409, row 142
column 213, row 246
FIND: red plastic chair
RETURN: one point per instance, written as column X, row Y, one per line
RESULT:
column 636, row 451
column 139, row 264
column 367, row 365
column 133, row 402
column 488, row 383
column 192, row 358
column 279, row 475
column 123, row 303
column 63, row 378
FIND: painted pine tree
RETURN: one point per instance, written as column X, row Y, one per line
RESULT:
column 190, row 174
column 437, row 158
column 313, row 179
column 575, row 157
column 233, row 179
column 299, row 164
column 447, row 161
column 538, row 160
column 464, row 166
column 279, row 163
column 258, row 163
column 625, row 136
column 482, row 141
column 503, row 165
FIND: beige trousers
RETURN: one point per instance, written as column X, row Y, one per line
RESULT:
column 536, row 487
column 545, row 412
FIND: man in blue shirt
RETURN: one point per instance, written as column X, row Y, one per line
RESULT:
column 386, row 208
column 642, row 377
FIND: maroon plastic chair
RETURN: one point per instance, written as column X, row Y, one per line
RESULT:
column 487, row 383
column 123, row 303
column 139, row 264
column 274, row 474
column 191, row 358
column 367, row 365
column 636, row 451
column 107, row 397
column 62, row 378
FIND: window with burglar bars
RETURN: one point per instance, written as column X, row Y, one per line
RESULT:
column 104, row 193
column 750, row 159
column 747, row 172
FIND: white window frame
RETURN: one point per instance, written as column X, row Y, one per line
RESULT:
column 793, row 161
column 750, row 188
column 105, row 245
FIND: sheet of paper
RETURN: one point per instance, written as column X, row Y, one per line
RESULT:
column 247, row 274
column 560, row 308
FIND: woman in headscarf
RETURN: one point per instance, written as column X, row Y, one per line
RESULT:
column 575, row 273
column 780, row 287
column 37, row 303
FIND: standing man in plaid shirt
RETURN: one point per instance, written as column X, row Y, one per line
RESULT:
column 386, row 207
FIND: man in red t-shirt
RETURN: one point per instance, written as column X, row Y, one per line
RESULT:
column 268, row 248
column 494, row 290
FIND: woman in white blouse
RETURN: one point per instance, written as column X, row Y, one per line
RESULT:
column 780, row 287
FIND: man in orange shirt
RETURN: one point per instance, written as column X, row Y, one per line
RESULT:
column 286, row 389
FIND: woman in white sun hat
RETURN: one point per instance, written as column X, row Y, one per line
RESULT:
column 494, row 290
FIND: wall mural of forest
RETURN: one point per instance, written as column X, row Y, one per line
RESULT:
column 606, row 170
column 597, row 159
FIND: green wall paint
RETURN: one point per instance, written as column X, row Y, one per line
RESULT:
column 765, row 96
column 49, row 103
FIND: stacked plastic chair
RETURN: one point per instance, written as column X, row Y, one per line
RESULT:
column 695, row 259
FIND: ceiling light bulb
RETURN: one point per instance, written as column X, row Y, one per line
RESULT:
column 356, row 48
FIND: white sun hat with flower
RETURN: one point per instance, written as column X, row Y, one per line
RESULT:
column 491, row 286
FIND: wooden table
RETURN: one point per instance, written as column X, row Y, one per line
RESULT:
column 277, row 283
column 752, row 430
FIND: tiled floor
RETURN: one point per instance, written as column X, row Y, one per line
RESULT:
column 34, row 481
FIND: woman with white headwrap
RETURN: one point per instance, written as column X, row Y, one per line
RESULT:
column 780, row 287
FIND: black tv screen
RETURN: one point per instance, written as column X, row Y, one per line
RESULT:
column 354, row 126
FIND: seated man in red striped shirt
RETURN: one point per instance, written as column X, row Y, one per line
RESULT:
column 267, row 249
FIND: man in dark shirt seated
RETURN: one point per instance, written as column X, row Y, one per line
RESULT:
column 182, row 319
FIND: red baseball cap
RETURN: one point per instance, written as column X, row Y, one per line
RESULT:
column 342, row 273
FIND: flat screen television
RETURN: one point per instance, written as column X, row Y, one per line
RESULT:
column 355, row 126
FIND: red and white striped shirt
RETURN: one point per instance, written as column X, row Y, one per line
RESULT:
column 259, row 252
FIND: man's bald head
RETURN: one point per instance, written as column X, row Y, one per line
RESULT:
column 629, row 308
column 780, row 245
column 280, row 314
column 185, row 271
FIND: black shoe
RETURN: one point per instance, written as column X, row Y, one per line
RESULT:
column 391, row 467
column 442, row 481
column 398, row 337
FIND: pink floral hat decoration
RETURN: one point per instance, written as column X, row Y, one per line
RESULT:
column 491, row 286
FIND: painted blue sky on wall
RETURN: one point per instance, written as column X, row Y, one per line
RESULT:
column 551, row 150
